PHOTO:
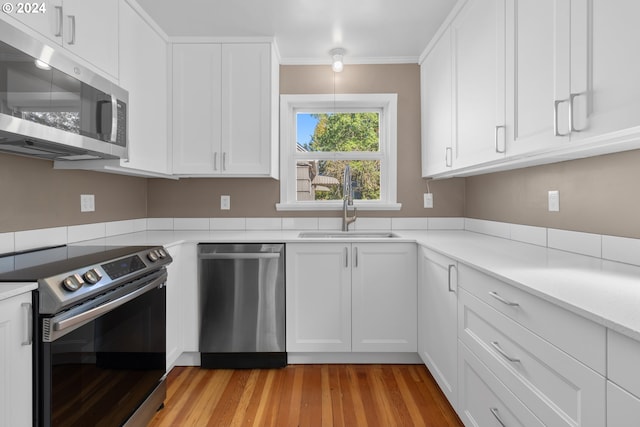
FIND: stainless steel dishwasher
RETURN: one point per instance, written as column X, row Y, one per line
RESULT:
column 242, row 305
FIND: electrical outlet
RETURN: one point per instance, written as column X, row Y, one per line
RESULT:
column 428, row 200
column 225, row 203
column 554, row 201
column 87, row 203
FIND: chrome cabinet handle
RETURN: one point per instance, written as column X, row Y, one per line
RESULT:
column 503, row 300
column 556, row 130
column 215, row 161
column 504, row 149
column 28, row 322
column 502, row 352
column 346, row 257
column 72, row 23
column 494, row 412
column 224, row 160
column 571, row 99
column 451, row 267
column 355, row 256
column 59, row 18
column 448, row 157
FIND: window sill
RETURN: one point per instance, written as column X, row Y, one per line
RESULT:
column 337, row 206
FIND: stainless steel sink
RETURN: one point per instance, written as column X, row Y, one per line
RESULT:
column 347, row 235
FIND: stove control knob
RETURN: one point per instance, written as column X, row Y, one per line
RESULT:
column 73, row 283
column 92, row 276
column 162, row 253
column 153, row 256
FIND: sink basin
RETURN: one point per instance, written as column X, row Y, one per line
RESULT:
column 347, row 235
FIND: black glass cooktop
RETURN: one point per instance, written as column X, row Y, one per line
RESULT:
column 30, row 266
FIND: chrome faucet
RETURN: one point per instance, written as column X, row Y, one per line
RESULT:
column 347, row 199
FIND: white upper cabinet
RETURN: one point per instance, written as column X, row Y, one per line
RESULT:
column 532, row 81
column 605, row 89
column 478, row 42
column 88, row 28
column 246, row 109
column 225, row 110
column 196, row 108
column 143, row 72
column 436, row 99
column 537, row 34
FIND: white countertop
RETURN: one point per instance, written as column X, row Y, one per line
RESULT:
column 8, row 290
column 604, row 291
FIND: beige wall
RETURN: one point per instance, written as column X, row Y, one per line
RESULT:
column 597, row 195
column 33, row 195
column 257, row 197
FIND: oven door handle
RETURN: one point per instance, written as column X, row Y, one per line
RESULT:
column 60, row 327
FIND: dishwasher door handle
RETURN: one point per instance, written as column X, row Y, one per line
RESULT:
column 242, row 255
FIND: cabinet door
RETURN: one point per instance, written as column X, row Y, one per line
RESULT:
column 485, row 401
column 384, row 297
column 246, row 109
column 143, row 72
column 622, row 407
column 15, row 362
column 174, row 342
column 478, row 40
column 604, row 70
column 189, row 309
column 437, row 320
column 49, row 23
column 91, row 32
column 436, row 99
column 196, row 108
column 318, row 296
column 538, row 58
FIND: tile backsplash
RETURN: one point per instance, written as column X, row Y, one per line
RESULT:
column 613, row 248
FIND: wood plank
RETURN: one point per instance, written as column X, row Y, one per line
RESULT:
column 306, row 395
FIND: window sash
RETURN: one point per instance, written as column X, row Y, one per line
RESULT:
column 384, row 104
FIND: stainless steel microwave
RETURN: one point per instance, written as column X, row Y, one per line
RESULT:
column 54, row 108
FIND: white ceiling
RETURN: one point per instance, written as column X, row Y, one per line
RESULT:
column 305, row 31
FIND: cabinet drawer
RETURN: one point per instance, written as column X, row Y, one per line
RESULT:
column 557, row 388
column 483, row 398
column 581, row 338
column 622, row 361
column 622, row 407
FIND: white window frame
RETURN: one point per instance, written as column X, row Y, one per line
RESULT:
column 386, row 104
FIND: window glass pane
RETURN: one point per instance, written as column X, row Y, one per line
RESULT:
column 323, row 179
column 338, row 132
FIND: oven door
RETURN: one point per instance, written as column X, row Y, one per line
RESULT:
column 113, row 358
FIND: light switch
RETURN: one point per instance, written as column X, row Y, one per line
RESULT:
column 87, row 203
column 225, row 203
column 554, row 201
column 428, row 200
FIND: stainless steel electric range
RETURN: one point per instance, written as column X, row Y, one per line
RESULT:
column 99, row 332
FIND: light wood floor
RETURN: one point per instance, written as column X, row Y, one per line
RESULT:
column 306, row 396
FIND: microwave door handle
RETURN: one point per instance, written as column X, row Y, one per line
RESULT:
column 114, row 119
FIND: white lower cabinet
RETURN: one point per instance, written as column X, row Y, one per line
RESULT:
column 437, row 319
column 623, row 387
column 485, row 401
column 351, row 297
column 623, row 408
column 173, row 305
column 183, row 323
column 556, row 387
column 15, row 361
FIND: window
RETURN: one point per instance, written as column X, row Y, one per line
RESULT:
column 321, row 134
